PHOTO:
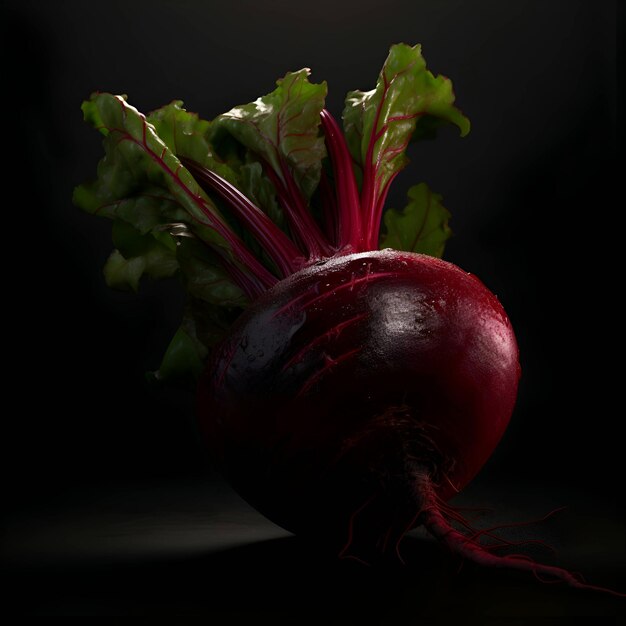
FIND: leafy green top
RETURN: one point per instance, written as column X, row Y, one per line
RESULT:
column 233, row 205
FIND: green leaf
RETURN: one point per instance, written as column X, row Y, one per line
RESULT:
column 184, row 132
column 283, row 126
column 121, row 273
column 187, row 135
column 202, row 327
column 379, row 124
column 124, row 273
column 139, row 167
column 183, row 359
column 421, row 227
column 136, row 255
column 132, row 242
column 146, row 210
column 353, row 114
column 144, row 189
column 258, row 188
column 204, row 279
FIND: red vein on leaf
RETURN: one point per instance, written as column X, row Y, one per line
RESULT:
column 371, row 200
column 261, row 278
column 418, row 234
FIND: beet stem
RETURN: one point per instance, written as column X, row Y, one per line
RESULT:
column 348, row 200
column 275, row 243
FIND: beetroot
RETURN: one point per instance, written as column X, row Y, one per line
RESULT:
column 353, row 375
column 346, row 392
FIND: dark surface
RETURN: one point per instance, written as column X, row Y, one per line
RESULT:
column 111, row 502
column 193, row 548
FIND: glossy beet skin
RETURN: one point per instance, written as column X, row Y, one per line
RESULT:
column 351, row 375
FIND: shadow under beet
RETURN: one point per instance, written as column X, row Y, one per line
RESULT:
column 194, row 548
column 276, row 577
column 292, row 581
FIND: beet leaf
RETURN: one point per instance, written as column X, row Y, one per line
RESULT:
column 379, row 125
column 421, row 227
column 282, row 129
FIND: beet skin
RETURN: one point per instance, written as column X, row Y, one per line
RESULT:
column 346, row 378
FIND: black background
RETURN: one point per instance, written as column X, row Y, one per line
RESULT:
column 530, row 190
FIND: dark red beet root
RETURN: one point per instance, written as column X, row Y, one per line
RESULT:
column 358, row 395
column 345, row 377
